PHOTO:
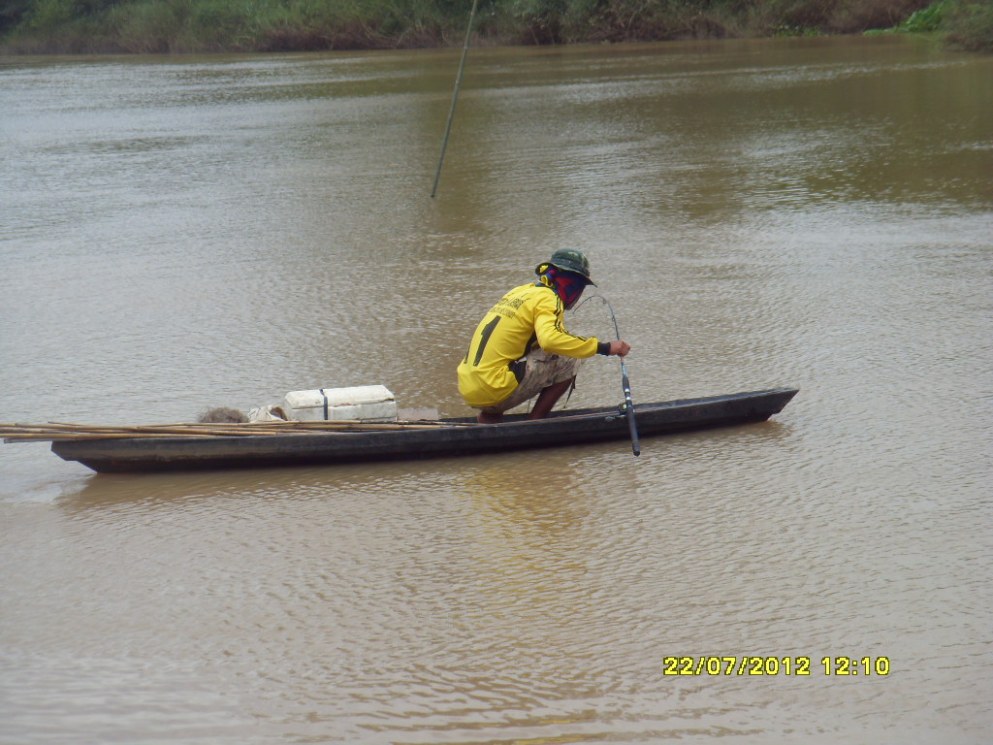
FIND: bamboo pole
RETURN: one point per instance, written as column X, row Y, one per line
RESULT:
column 455, row 98
column 52, row 431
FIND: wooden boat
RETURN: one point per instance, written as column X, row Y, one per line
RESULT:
column 448, row 437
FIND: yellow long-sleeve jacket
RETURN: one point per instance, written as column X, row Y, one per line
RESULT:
column 527, row 314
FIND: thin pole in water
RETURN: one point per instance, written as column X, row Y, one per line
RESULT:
column 455, row 96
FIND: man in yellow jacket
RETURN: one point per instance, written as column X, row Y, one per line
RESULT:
column 521, row 348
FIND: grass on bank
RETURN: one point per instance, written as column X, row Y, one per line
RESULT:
column 969, row 25
column 179, row 26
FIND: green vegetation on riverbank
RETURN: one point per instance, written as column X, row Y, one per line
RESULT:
column 179, row 26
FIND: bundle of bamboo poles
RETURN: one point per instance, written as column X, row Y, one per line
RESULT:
column 53, row 431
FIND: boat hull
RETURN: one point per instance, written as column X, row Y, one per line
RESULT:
column 136, row 455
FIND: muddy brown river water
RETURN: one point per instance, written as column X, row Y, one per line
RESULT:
column 180, row 233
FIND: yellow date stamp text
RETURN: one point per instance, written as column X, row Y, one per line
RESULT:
column 766, row 665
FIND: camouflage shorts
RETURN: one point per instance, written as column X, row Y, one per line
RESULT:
column 534, row 373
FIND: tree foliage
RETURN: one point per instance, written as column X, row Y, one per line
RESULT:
column 142, row 26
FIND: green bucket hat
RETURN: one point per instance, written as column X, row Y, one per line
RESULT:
column 569, row 260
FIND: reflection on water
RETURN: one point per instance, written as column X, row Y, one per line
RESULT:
column 179, row 234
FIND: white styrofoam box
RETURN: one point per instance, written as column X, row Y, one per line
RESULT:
column 362, row 403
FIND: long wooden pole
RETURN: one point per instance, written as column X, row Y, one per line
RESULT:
column 53, row 431
column 455, row 97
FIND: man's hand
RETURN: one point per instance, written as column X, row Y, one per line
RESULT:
column 619, row 348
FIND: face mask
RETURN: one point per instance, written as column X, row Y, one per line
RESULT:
column 568, row 286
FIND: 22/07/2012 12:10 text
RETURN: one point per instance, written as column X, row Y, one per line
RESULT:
column 840, row 666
